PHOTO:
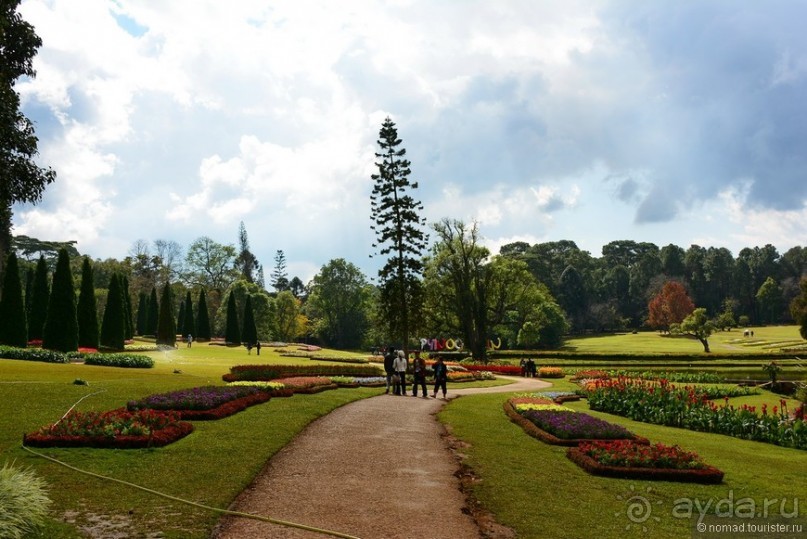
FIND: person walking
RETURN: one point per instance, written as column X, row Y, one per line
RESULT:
column 258, row 347
column 399, row 366
column 389, row 359
column 440, row 377
column 419, row 368
column 189, row 340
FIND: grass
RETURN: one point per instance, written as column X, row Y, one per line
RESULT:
column 211, row 466
column 533, row 488
column 769, row 338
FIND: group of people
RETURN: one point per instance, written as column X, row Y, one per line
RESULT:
column 396, row 366
column 528, row 368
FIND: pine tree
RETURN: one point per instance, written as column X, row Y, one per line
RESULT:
column 189, row 327
column 153, row 317
column 113, row 327
column 280, row 279
column 399, row 233
column 142, row 313
column 166, row 328
column 246, row 262
column 38, row 305
column 202, row 318
column 249, row 333
column 87, row 312
column 127, row 305
column 13, row 327
column 232, row 335
column 61, row 324
column 30, row 275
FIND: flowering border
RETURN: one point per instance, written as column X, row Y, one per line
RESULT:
column 536, row 432
column 158, row 438
column 226, row 409
column 709, row 475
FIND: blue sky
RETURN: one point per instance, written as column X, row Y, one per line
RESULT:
column 670, row 122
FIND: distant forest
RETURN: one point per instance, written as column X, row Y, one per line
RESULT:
column 613, row 291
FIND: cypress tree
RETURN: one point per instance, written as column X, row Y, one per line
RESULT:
column 202, row 318
column 154, row 313
column 166, row 328
column 38, row 302
column 189, row 326
column 87, row 308
column 181, row 317
column 61, row 324
column 232, row 334
column 142, row 313
column 29, row 290
column 249, row 334
column 113, row 328
column 13, row 327
column 127, row 306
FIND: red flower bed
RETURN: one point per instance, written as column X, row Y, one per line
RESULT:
column 512, row 370
column 628, row 460
column 533, row 430
column 119, row 429
column 226, row 409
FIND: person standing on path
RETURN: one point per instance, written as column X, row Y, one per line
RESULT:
column 419, row 368
column 440, row 376
column 258, row 347
column 389, row 359
column 399, row 365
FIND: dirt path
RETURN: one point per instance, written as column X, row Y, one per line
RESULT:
column 375, row 468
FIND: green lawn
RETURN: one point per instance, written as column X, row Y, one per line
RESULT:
column 533, row 488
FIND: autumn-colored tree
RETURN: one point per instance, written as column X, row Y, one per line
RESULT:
column 670, row 306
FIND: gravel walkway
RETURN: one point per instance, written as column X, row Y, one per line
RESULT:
column 375, row 468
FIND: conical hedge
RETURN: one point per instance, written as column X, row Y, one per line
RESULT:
column 61, row 324
column 142, row 313
column 38, row 302
column 249, row 333
column 113, row 328
column 13, row 326
column 189, row 324
column 166, row 326
column 87, row 311
column 154, row 313
column 232, row 335
column 202, row 318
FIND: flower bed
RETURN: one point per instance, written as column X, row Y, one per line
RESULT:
column 204, row 403
column 629, row 460
column 308, row 384
column 274, row 372
column 558, row 397
column 591, row 374
column 536, row 431
column 120, row 429
column 358, row 381
column 274, row 389
column 550, row 372
column 510, row 370
column 693, row 408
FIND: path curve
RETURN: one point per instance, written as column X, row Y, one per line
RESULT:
column 374, row 468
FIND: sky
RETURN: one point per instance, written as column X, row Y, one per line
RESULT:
column 678, row 122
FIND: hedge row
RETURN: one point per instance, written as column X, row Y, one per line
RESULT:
column 131, row 361
column 33, row 354
column 271, row 372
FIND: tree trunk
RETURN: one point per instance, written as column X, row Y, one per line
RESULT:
column 705, row 344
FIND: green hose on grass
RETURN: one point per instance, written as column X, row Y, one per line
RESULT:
column 194, row 504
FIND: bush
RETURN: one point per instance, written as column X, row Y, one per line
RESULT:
column 33, row 354
column 23, row 502
column 130, row 361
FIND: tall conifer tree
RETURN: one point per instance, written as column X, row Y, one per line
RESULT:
column 153, row 314
column 61, row 325
column 399, row 235
column 113, row 327
column 127, row 305
column 181, row 317
column 249, row 333
column 87, row 312
column 38, row 303
column 189, row 327
column 13, row 327
column 166, row 326
column 232, row 335
column 142, row 313
column 202, row 318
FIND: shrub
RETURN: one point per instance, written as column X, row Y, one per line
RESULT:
column 33, row 354
column 87, row 309
column 61, row 324
column 130, row 361
column 14, row 328
column 23, row 502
